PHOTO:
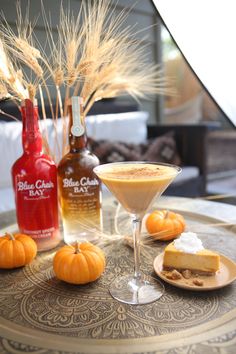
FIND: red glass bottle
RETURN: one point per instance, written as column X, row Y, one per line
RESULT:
column 34, row 177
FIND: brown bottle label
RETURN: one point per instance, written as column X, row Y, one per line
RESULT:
column 80, row 186
column 81, row 197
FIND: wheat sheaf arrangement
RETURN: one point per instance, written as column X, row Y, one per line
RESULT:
column 94, row 56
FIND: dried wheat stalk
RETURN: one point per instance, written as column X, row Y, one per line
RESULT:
column 96, row 56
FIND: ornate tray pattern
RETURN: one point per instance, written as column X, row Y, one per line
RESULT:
column 40, row 314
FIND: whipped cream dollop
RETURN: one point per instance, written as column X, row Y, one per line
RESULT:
column 188, row 242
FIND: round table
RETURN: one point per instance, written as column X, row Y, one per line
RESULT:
column 40, row 314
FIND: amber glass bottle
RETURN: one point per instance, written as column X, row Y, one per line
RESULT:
column 79, row 187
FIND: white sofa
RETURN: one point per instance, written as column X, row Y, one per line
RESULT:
column 127, row 127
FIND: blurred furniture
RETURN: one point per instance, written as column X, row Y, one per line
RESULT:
column 222, row 165
column 191, row 143
column 221, row 157
column 126, row 126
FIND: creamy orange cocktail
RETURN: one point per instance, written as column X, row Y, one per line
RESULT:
column 135, row 185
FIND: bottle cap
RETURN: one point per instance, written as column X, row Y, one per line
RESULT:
column 79, row 98
column 77, row 128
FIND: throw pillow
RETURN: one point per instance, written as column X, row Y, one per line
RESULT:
column 160, row 149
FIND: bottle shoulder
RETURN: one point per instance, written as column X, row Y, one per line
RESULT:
column 81, row 159
column 35, row 161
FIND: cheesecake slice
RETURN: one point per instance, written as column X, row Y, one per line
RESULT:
column 202, row 261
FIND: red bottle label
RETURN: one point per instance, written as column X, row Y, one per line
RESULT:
column 36, row 203
column 35, row 191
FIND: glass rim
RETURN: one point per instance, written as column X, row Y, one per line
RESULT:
column 178, row 169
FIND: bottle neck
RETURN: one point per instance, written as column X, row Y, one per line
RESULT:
column 31, row 136
column 77, row 143
column 77, row 134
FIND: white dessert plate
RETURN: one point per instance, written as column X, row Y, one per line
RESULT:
column 225, row 276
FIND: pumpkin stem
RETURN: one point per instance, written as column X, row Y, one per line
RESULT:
column 166, row 214
column 10, row 235
column 77, row 249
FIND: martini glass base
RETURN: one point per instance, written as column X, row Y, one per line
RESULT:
column 136, row 291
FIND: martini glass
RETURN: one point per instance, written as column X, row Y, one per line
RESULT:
column 136, row 185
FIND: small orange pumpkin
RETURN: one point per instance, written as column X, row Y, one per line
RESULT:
column 165, row 225
column 79, row 264
column 16, row 250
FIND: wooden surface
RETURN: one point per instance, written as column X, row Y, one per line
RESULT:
column 39, row 314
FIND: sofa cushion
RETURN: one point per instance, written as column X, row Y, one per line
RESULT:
column 129, row 127
column 161, row 149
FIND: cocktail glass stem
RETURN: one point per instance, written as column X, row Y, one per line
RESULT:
column 136, row 228
column 136, row 184
column 136, row 288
